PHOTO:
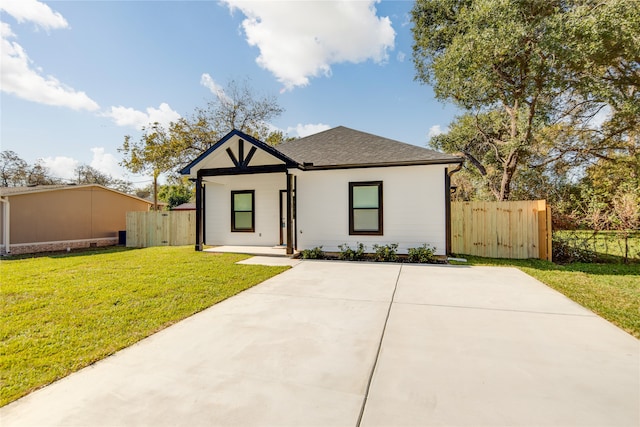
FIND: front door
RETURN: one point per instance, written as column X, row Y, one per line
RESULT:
column 283, row 217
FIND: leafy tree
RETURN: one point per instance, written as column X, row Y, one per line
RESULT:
column 240, row 107
column 534, row 78
column 626, row 216
column 154, row 153
column 15, row 172
column 90, row 175
column 38, row 174
column 177, row 192
column 13, row 169
column 161, row 150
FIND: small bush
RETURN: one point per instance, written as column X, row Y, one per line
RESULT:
column 315, row 253
column 568, row 251
column 348, row 254
column 386, row 253
column 422, row 254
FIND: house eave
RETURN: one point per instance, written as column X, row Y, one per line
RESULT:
column 311, row 167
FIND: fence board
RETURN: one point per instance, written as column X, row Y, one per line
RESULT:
column 145, row 229
column 501, row 229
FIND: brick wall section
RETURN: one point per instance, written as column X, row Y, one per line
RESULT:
column 31, row 248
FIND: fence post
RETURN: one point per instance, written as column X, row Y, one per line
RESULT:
column 549, row 235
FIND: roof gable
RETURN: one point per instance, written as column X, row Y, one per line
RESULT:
column 345, row 147
column 231, row 152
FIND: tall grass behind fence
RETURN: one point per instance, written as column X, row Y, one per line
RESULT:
column 174, row 228
column 517, row 230
column 601, row 245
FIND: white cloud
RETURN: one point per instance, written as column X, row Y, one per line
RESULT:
column 18, row 77
column 215, row 88
column 105, row 162
column 299, row 39
column 17, row 74
column 126, row 116
column 34, row 11
column 401, row 56
column 61, row 166
column 307, row 129
column 64, row 167
column 436, row 130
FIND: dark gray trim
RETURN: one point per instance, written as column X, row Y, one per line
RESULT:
column 234, row 229
column 447, row 211
column 204, row 213
column 246, row 171
column 352, row 231
column 199, row 214
column 289, row 214
column 281, row 217
column 379, row 165
column 295, row 212
column 232, row 156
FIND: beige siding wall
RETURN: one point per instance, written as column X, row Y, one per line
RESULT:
column 70, row 214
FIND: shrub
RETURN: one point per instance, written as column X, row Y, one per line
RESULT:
column 386, row 253
column 315, row 253
column 568, row 251
column 348, row 254
column 422, row 254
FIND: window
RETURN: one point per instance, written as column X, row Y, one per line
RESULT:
column 242, row 211
column 365, row 208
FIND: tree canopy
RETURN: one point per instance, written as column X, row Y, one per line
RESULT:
column 16, row 172
column 539, row 81
column 163, row 150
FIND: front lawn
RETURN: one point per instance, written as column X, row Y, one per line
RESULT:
column 60, row 313
column 609, row 290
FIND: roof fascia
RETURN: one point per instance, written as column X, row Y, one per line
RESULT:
column 310, row 167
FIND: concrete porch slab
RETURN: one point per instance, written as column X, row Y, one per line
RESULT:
column 275, row 251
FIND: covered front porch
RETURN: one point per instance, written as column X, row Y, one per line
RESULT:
column 244, row 197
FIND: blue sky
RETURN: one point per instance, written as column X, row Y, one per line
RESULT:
column 77, row 76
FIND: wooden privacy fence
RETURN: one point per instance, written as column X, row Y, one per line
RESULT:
column 502, row 229
column 174, row 228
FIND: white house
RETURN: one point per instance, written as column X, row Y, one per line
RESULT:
column 335, row 187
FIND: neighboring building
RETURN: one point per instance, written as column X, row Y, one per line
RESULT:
column 185, row 207
column 58, row 217
column 338, row 186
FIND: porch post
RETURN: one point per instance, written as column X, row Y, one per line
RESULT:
column 199, row 219
column 289, row 214
column 447, row 211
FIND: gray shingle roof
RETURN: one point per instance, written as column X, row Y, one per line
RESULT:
column 343, row 147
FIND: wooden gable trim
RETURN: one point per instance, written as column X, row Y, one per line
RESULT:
column 242, row 171
column 244, row 160
column 241, row 162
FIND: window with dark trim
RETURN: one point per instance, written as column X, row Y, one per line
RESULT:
column 243, row 211
column 365, row 208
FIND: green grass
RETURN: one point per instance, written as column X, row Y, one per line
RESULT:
column 609, row 290
column 60, row 313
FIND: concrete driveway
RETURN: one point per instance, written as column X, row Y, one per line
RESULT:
column 348, row 344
